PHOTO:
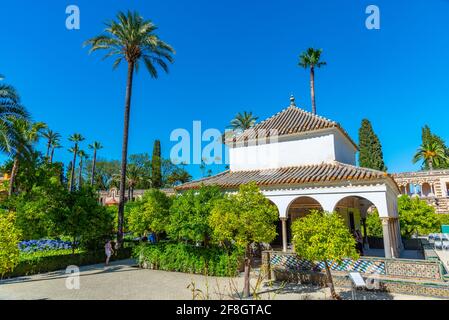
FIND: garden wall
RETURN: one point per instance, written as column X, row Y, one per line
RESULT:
column 418, row 277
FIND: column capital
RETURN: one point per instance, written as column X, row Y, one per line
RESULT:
column 283, row 218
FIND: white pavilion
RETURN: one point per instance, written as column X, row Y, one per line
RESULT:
column 303, row 162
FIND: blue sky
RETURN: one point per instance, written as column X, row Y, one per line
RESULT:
column 234, row 56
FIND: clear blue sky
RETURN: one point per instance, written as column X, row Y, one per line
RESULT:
column 234, row 56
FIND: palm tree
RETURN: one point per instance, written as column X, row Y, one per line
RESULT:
column 431, row 153
column 76, row 138
column 24, row 135
column 243, row 121
column 133, row 39
column 133, row 177
column 82, row 156
column 10, row 108
column 54, row 146
column 52, row 138
column 95, row 147
column 311, row 59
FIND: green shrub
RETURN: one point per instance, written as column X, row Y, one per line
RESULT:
column 443, row 219
column 374, row 225
column 212, row 261
column 9, row 240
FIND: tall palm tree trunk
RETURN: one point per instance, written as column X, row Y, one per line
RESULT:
column 48, row 149
column 121, row 206
column 80, row 176
column 431, row 164
column 72, row 172
column 12, row 179
column 94, row 163
column 52, row 154
column 312, row 89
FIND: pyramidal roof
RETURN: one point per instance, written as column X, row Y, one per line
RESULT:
column 291, row 120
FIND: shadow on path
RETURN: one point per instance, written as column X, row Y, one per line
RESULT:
column 116, row 266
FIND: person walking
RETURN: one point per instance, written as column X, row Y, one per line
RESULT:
column 108, row 251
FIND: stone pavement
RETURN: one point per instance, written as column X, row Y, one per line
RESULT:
column 122, row 281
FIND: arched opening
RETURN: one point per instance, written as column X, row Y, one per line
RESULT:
column 362, row 219
column 299, row 208
column 353, row 210
column 426, row 190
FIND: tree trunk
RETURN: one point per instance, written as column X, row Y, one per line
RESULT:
column 72, row 172
column 15, row 168
column 94, row 163
column 312, row 89
column 330, row 282
column 431, row 164
column 121, row 206
column 80, row 177
column 51, row 156
column 48, row 149
column 246, row 287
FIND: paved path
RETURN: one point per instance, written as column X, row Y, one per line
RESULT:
column 122, row 280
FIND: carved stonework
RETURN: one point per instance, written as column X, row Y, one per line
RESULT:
column 432, row 186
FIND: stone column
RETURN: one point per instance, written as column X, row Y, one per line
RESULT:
column 394, row 238
column 387, row 237
column 398, row 228
column 284, row 234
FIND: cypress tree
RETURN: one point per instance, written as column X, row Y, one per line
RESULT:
column 370, row 155
column 156, row 163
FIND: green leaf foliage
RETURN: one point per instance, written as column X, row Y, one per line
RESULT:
column 9, row 240
column 190, row 212
column 322, row 236
column 212, row 261
column 244, row 218
column 151, row 213
column 370, row 155
column 416, row 216
column 156, row 163
column 374, row 225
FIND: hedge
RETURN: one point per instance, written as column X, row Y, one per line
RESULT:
column 34, row 264
column 180, row 257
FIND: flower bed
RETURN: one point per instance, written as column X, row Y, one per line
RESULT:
column 32, row 246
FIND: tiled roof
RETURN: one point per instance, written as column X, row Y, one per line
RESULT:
column 310, row 174
column 291, row 120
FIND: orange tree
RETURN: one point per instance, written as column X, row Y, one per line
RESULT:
column 243, row 219
column 322, row 236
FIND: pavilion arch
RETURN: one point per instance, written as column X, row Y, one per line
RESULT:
column 301, row 206
column 298, row 208
column 354, row 210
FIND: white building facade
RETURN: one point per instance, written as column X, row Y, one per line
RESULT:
column 303, row 162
